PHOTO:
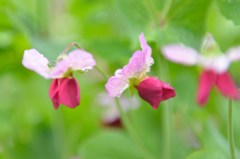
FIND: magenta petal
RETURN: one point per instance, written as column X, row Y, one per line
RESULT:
column 69, row 93
column 207, row 79
column 168, row 92
column 154, row 91
column 226, row 85
column 53, row 92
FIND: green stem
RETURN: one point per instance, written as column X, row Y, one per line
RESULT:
column 132, row 131
column 152, row 12
column 69, row 46
column 167, row 123
column 167, row 131
column 166, row 9
column 230, row 130
column 104, row 74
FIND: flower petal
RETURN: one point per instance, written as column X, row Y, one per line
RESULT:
column 154, row 91
column 116, row 85
column 53, row 92
column 233, row 54
column 218, row 64
column 226, row 85
column 69, row 92
column 168, row 92
column 136, row 65
column 76, row 60
column 140, row 62
column 35, row 61
column 181, row 54
column 207, row 79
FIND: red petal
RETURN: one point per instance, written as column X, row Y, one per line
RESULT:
column 168, row 92
column 226, row 85
column 207, row 79
column 69, row 93
column 154, row 91
column 53, row 92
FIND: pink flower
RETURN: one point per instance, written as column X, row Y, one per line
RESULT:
column 214, row 63
column 134, row 75
column 64, row 88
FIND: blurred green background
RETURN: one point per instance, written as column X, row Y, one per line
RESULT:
column 109, row 29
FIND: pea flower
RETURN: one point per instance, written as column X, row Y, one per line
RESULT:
column 64, row 88
column 111, row 116
column 134, row 75
column 215, row 66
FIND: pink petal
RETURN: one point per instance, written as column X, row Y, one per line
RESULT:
column 207, row 79
column 233, row 54
column 226, row 85
column 154, row 91
column 147, row 51
column 140, row 62
column 35, row 61
column 181, row 54
column 116, row 85
column 76, row 60
column 53, row 92
column 136, row 65
column 69, row 92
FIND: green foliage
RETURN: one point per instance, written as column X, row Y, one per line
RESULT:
column 230, row 9
column 108, row 145
column 31, row 128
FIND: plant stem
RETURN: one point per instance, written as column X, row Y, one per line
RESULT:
column 230, row 130
column 104, row 74
column 167, row 131
column 132, row 131
column 166, row 113
column 69, row 47
column 166, row 9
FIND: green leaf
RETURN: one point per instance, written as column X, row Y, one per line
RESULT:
column 189, row 14
column 110, row 145
column 230, row 9
column 207, row 154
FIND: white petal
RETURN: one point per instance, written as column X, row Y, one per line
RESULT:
column 181, row 54
column 35, row 61
column 76, row 60
column 234, row 54
column 218, row 64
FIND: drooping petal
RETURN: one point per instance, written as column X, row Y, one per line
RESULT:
column 218, row 64
column 233, row 54
column 206, row 82
column 226, row 85
column 168, row 91
column 181, row 54
column 35, row 61
column 69, row 92
column 53, row 92
column 116, row 85
column 76, row 60
column 154, row 91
